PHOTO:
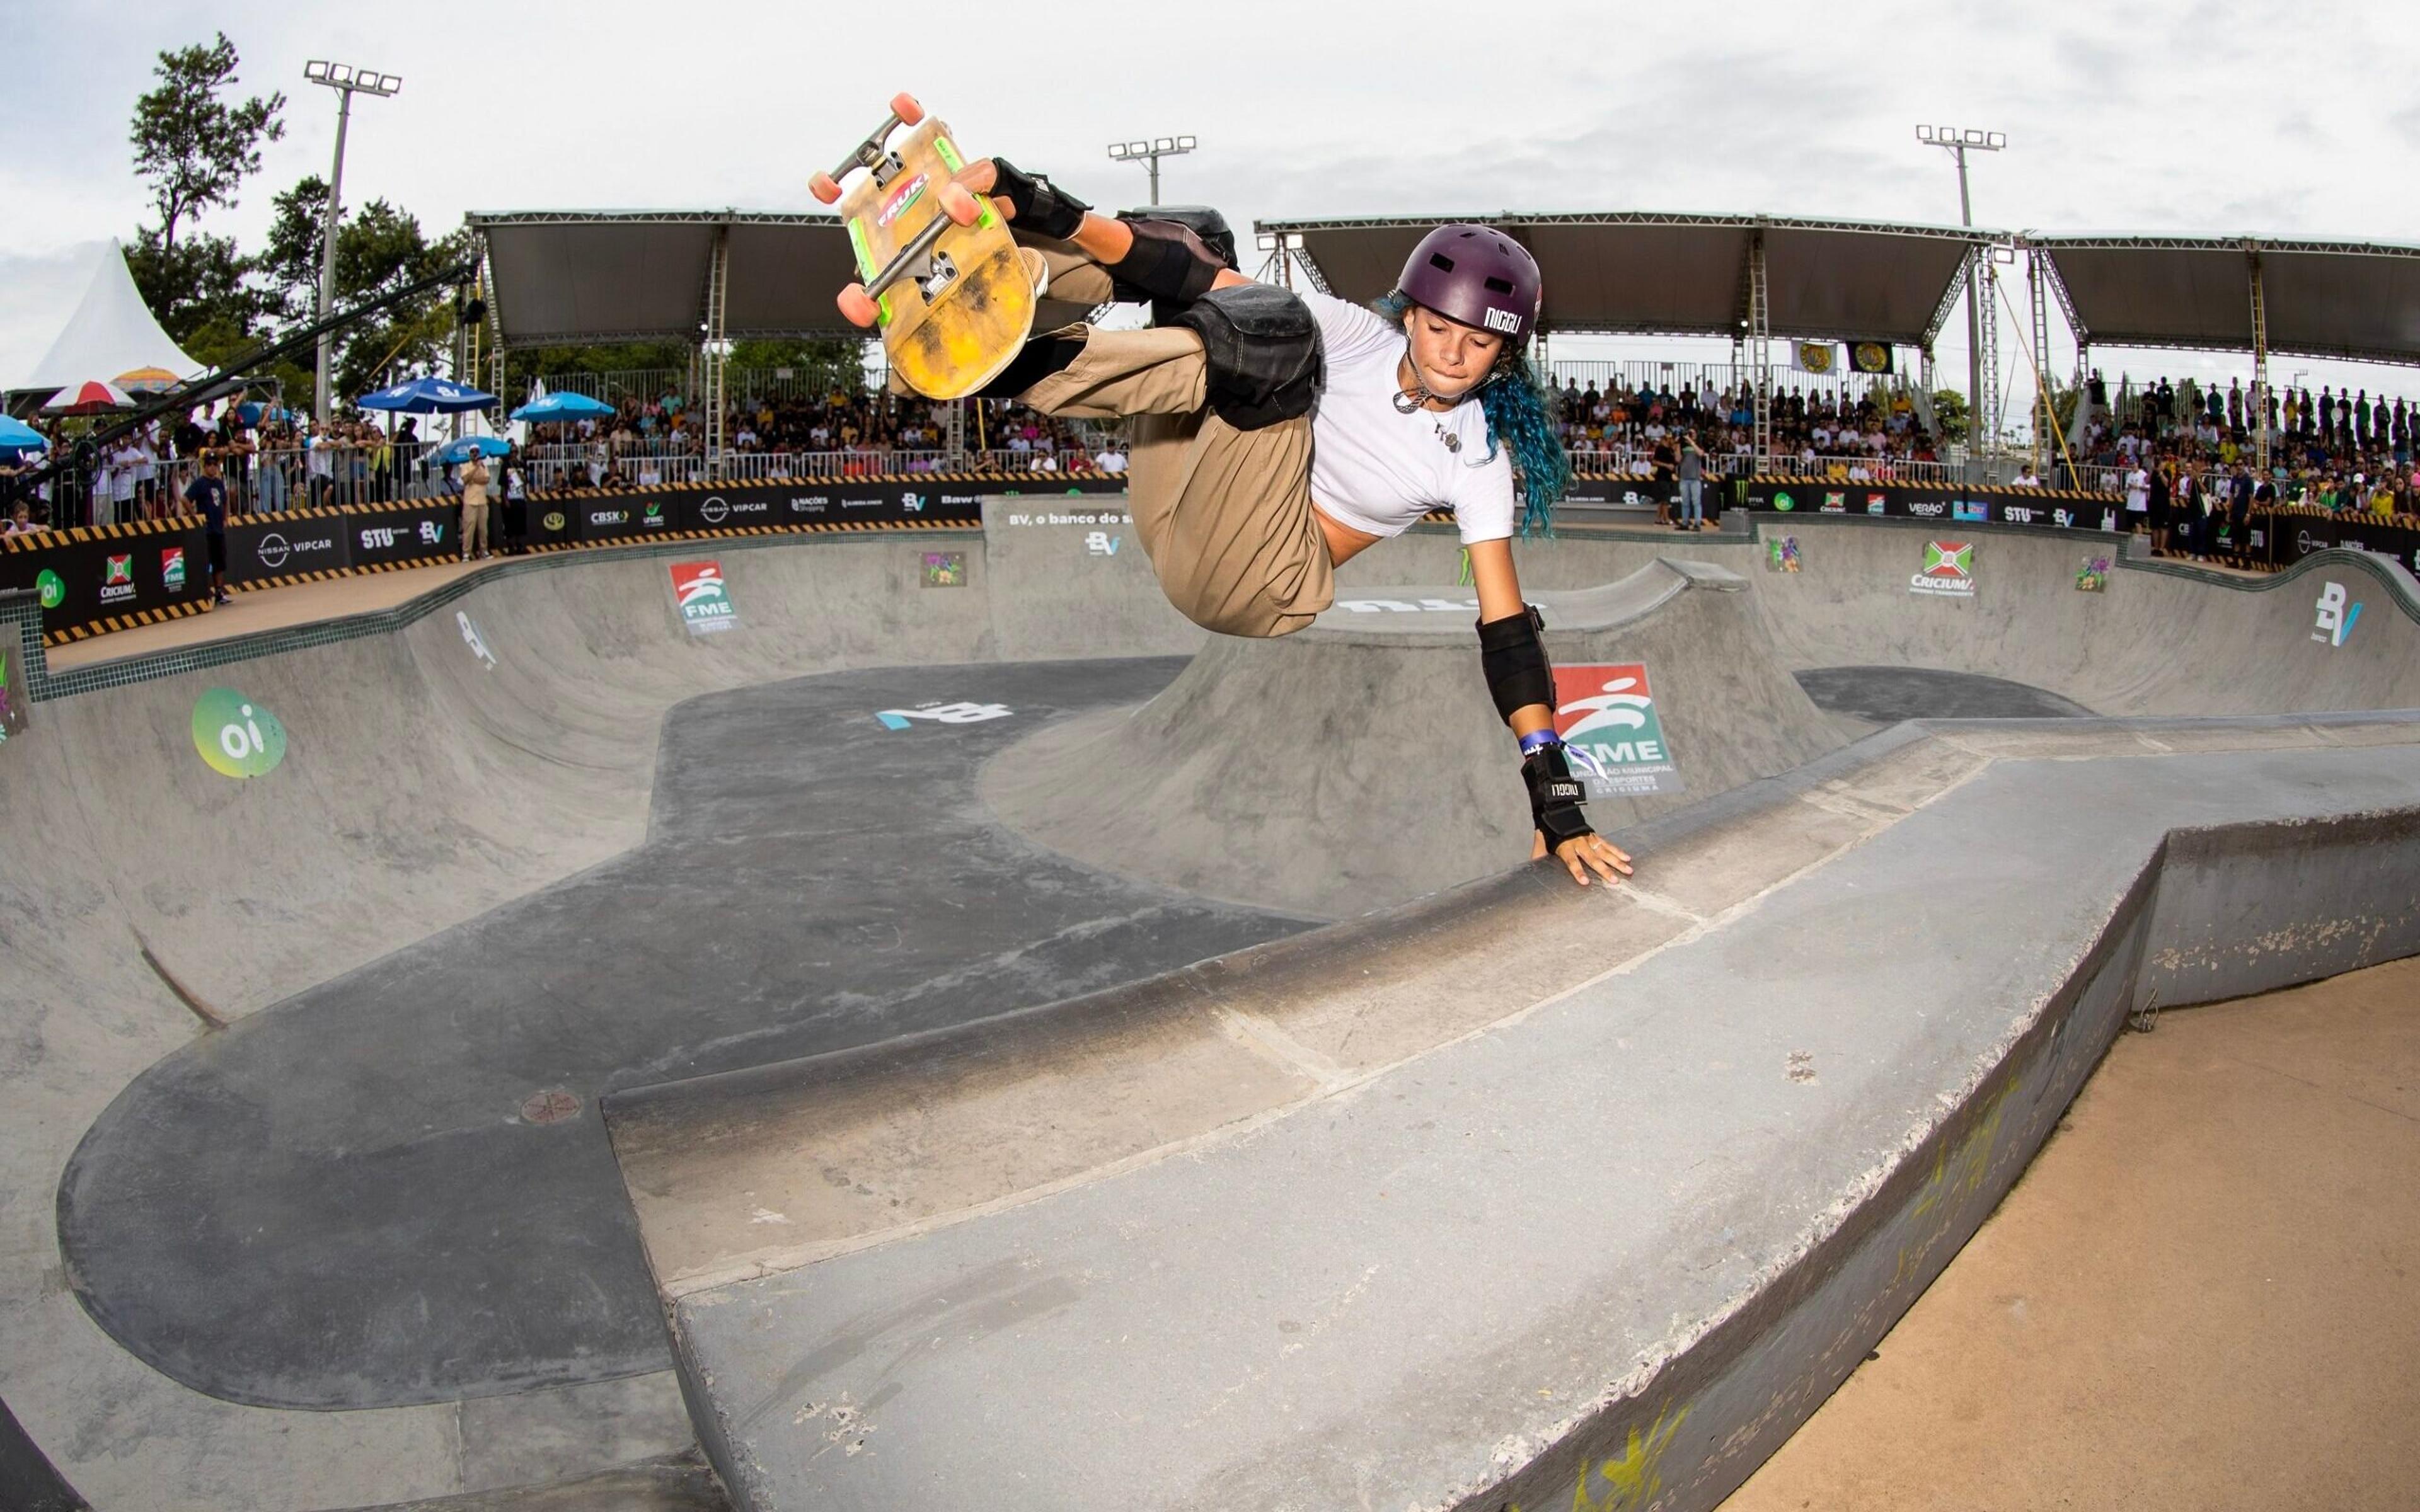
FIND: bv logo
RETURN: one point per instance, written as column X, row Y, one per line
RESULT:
column 2336, row 616
column 913, row 503
column 1101, row 542
column 944, row 714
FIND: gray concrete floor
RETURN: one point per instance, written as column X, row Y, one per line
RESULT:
column 2199, row 1296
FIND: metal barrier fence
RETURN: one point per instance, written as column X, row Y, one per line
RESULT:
column 257, row 482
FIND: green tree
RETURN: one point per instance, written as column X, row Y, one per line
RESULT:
column 195, row 148
column 196, row 283
column 289, row 265
column 1949, row 413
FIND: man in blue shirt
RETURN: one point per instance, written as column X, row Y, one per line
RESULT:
column 207, row 494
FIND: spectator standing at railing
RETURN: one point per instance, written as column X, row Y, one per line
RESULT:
column 476, row 478
column 2239, row 510
column 1112, row 458
column 319, row 466
column 207, row 494
column 1693, row 483
column 21, row 515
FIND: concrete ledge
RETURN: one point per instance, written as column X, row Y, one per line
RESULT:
column 1605, row 1244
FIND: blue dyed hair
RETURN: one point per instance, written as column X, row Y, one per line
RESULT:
column 1520, row 417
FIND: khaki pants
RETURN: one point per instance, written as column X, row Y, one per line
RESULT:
column 474, row 528
column 1224, row 514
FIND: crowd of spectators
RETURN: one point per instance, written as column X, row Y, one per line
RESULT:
column 1623, row 428
column 2186, row 456
column 851, row 433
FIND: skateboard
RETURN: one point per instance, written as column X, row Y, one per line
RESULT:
column 951, row 293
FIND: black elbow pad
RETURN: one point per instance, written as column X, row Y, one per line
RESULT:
column 1514, row 659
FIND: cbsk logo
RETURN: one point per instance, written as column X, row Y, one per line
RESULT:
column 234, row 737
column 960, row 713
column 472, row 637
column 2336, row 617
column 1101, row 542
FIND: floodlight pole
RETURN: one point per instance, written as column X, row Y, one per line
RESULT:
column 1149, row 153
column 1977, row 269
column 346, row 82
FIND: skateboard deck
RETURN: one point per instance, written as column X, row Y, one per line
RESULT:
column 960, row 301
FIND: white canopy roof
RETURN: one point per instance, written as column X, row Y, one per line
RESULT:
column 112, row 331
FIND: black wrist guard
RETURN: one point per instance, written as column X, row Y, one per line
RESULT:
column 1169, row 262
column 1555, row 796
column 1042, row 209
column 1514, row 659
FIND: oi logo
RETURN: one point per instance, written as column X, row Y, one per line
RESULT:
column 54, row 592
column 236, row 736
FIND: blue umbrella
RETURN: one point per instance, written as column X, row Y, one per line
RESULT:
column 19, row 436
column 456, row 452
column 561, row 405
column 428, row 396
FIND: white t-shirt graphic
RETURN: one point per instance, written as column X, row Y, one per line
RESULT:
column 1377, row 469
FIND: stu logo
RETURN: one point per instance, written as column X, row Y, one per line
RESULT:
column 2336, row 616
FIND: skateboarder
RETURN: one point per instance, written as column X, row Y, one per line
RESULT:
column 1278, row 435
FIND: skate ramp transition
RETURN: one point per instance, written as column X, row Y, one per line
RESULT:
column 966, row 1153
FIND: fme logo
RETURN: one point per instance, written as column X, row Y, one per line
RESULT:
column 2336, row 616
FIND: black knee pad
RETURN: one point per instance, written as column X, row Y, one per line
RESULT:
column 1168, row 265
column 1262, row 345
column 1202, row 220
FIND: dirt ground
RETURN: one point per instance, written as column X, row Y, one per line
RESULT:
column 2201, row 1295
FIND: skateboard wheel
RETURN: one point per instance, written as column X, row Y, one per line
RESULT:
column 904, row 106
column 858, row 306
column 824, row 186
column 960, row 206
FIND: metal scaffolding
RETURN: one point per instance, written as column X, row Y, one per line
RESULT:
column 2045, row 413
column 1760, row 345
column 716, row 348
column 2260, row 361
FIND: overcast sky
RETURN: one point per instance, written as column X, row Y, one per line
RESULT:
column 2215, row 115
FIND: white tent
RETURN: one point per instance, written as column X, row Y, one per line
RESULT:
column 112, row 331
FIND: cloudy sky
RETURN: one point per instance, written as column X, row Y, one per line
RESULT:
column 2156, row 114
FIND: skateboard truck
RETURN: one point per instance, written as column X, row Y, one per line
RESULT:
column 933, row 272
column 871, row 153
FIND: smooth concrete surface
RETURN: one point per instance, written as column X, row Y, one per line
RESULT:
column 1366, row 748
column 406, row 1229
column 2201, row 1295
column 1615, row 1245
column 426, row 788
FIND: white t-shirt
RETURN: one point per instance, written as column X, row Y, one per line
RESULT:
column 1377, row 469
column 2138, row 492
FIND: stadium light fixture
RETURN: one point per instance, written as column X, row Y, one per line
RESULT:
column 1958, row 144
column 1149, row 153
column 348, row 80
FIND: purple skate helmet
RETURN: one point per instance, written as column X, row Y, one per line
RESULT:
column 1478, row 275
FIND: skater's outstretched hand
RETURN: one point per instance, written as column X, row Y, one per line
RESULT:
column 1584, row 854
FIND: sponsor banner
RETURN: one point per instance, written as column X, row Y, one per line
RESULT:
column 378, row 536
column 1781, row 554
column 1871, row 357
column 945, row 569
column 1611, row 733
column 636, row 514
column 78, row 582
column 274, row 546
column 1949, row 570
column 1902, row 500
column 703, row 597
column 550, row 521
column 2093, row 577
column 2285, row 539
column 236, row 736
column 1821, row 358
